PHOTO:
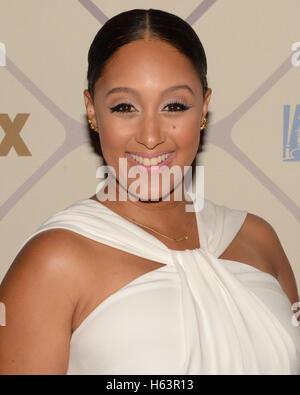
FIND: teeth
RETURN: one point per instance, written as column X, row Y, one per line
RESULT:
column 154, row 161
column 150, row 162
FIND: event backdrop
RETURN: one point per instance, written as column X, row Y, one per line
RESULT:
column 251, row 154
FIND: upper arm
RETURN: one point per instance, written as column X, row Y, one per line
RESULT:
column 267, row 241
column 39, row 302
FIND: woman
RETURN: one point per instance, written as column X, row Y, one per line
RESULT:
column 142, row 285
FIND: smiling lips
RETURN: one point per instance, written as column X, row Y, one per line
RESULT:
column 150, row 161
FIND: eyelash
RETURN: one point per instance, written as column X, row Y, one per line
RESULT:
column 183, row 106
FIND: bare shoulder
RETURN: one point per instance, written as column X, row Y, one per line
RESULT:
column 40, row 293
column 53, row 254
column 260, row 235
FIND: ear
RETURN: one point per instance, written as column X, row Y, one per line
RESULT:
column 90, row 109
column 206, row 102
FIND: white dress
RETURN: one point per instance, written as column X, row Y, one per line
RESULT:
column 198, row 314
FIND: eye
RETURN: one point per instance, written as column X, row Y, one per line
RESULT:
column 177, row 106
column 121, row 108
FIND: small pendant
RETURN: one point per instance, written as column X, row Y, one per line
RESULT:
column 182, row 238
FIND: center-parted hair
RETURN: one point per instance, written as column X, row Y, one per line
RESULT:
column 136, row 24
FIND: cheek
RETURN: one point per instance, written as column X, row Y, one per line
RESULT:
column 189, row 139
column 114, row 136
column 186, row 136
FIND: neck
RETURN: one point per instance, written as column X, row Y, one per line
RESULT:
column 166, row 203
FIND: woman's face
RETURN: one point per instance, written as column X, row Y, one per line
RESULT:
column 148, row 102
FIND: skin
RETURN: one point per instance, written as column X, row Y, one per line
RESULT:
column 59, row 276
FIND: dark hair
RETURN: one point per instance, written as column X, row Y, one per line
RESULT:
column 136, row 24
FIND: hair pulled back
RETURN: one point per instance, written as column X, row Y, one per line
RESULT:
column 136, row 24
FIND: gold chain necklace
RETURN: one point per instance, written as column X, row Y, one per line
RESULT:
column 153, row 230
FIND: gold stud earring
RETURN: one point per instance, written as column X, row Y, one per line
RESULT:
column 92, row 126
column 203, row 126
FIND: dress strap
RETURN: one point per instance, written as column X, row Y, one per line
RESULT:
column 220, row 225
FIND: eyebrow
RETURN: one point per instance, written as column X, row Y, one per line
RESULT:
column 136, row 93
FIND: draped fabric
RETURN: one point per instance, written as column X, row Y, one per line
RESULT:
column 198, row 314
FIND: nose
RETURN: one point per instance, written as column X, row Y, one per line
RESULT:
column 149, row 132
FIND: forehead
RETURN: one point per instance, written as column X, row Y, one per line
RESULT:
column 148, row 63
